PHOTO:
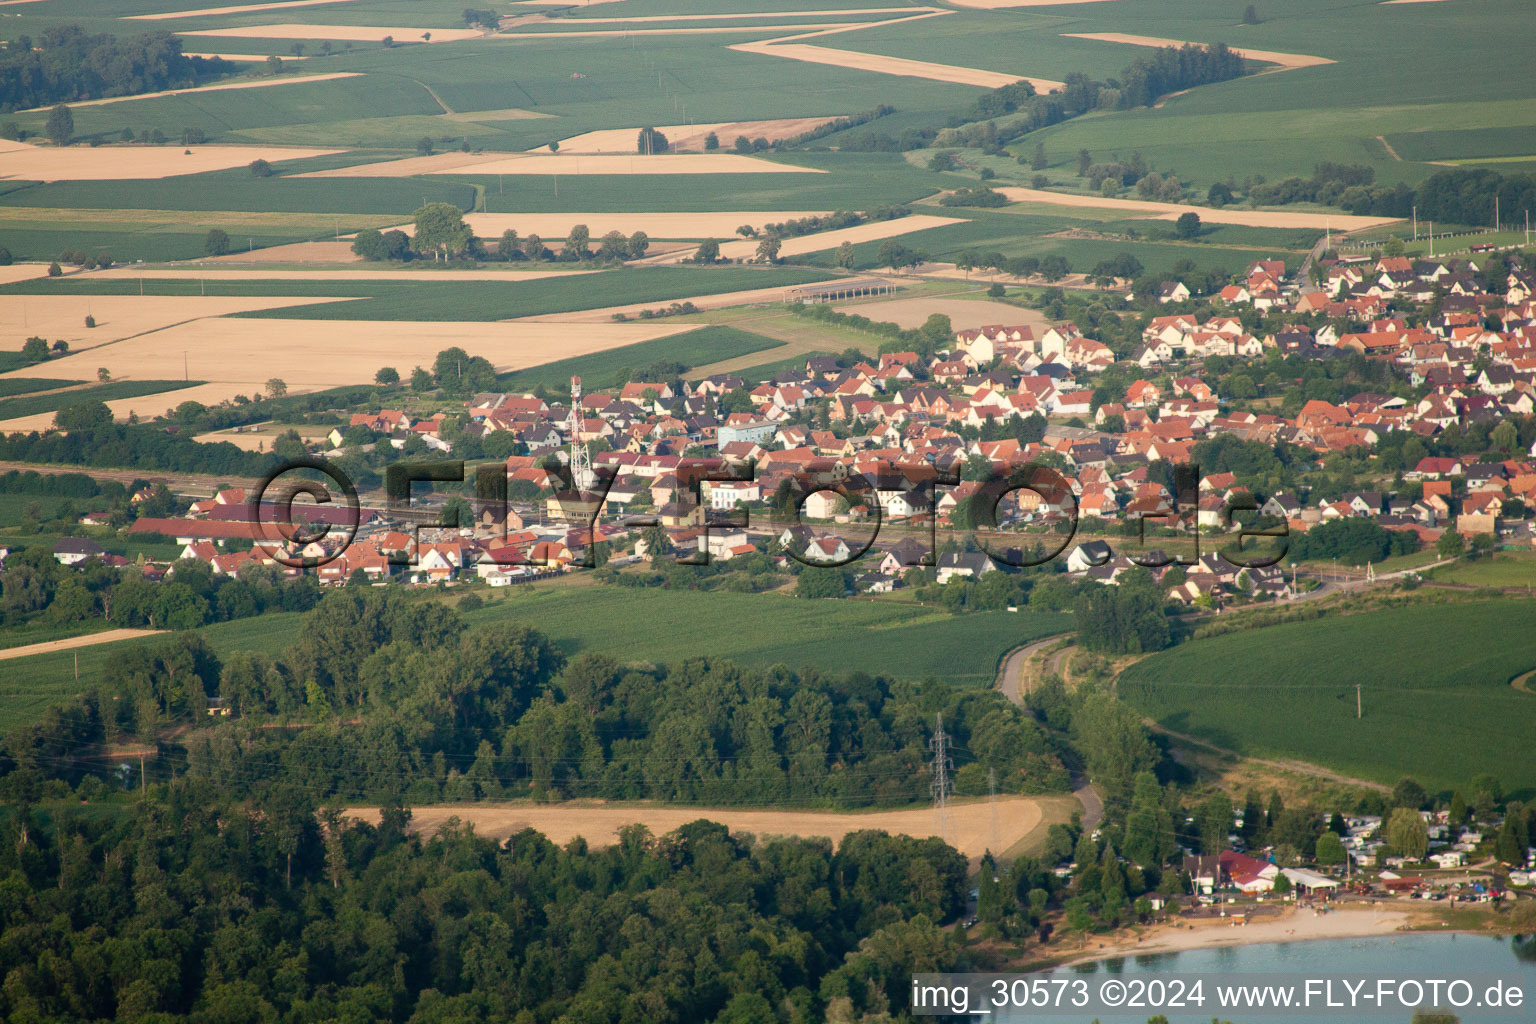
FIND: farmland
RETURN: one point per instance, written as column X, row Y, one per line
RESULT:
column 760, row 630
column 1434, row 683
column 970, row 824
column 603, row 369
column 31, row 405
column 878, row 637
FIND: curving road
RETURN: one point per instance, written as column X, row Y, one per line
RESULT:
column 1010, row 678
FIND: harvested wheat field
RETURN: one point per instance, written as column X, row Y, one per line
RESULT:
column 22, row 272
column 22, row 162
column 238, row 356
column 690, row 137
column 829, row 12
column 260, row 439
column 69, row 643
column 266, row 83
column 553, row 163
column 549, row 226
column 62, row 318
column 964, row 314
column 899, row 66
column 1212, row 215
column 295, row 252
column 206, row 12
column 969, row 824
column 233, row 56
column 373, row 272
column 711, row 30
column 997, row 5
column 345, row 33
column 1285, row 60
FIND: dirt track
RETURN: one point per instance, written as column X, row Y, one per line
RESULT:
column 969, row 827
column 69, row 643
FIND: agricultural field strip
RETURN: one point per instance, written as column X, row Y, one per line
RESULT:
column 841, row 12
column 689, row 136
column 674, row 226
column 793, row 48
column 1285, row 60
column 173, row 220
column 802, row 244
column 61, row 317
column 237, row 356
column 1215, row 215
column 553, row 164
column 997, row 5
column 969, row 825
column 219, row 87
column 206, row 12
column 307, row 274
column 344, row 33
column 719, row 300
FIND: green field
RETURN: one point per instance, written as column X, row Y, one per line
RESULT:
column 492, row 300
column 32, row 405
column 1434, row 679
column 1504, row 569
column 602, row 369
column 26, row 385
column 454, row 300
column 32, row 683
column 878, row 637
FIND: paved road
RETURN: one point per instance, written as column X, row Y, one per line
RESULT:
column 1010, row 679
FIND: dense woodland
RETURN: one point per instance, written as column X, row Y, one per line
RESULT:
column 68, row 64
column 187, row 907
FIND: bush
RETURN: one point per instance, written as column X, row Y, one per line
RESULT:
column 974, row 197
column 261, row 169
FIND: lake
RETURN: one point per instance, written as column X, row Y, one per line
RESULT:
column 1419, row 955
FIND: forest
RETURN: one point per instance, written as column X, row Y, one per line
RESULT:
column 186, row 907
column 389, row 696
column 69, row 64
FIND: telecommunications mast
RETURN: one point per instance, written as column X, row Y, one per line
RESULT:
column 581, row 459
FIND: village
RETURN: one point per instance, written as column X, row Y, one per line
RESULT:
column 917, row 448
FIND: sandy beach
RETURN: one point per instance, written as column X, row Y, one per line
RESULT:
column 1294, row 925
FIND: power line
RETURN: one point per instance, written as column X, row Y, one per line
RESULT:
column 939, row 785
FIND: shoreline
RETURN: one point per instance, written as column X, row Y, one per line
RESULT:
column 1294, row 925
